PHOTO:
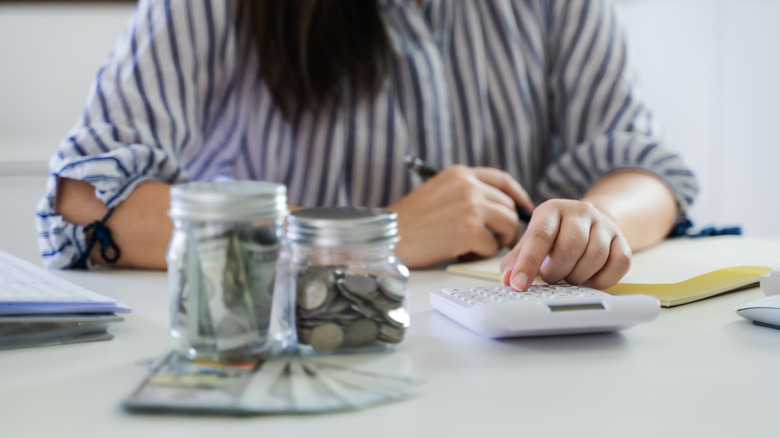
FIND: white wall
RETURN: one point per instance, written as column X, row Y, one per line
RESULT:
column 49, row 54
column 710, row 68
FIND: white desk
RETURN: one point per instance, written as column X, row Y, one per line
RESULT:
column 698, row 370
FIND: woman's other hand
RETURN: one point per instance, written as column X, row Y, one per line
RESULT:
column 461, row 210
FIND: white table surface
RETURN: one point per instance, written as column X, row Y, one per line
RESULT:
column 697, row 370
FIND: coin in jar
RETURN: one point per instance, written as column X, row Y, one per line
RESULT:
column 360, row 333
column 312, row 292
column 359, row 284
column 326, row 337
column 390, row 334
column 392, row 287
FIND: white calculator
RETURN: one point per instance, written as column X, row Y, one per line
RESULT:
column 542, row 310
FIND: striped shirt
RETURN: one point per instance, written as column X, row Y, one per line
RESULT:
column 542, row 89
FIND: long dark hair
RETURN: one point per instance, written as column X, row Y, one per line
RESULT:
column 307, row 48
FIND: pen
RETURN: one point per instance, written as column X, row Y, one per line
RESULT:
column 427, row 170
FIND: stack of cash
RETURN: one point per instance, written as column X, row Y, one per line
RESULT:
column 280, row 384
column 222, row 283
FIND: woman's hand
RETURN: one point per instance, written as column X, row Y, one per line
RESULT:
column 459, row 211
column 568, row 240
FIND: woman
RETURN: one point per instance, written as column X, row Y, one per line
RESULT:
column 520, row 101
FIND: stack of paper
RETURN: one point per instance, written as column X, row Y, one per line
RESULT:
column 281, row 384
column 39, row 308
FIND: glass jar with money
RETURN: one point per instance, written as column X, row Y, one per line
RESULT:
column 222, row 267
column 347, row 290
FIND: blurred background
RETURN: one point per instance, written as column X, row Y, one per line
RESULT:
column 709, row 68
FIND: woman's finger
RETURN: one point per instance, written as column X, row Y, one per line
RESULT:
column 595, row 255
column 617, row 265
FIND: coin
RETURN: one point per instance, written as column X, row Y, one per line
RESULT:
column 360, row 333
column 326, row 337
column 392, row 287
column 366, row 310
column 312, row 293
column 385, row 304
column 399, row 316
column 338, row 305
column 359, row 284
column 390, row 334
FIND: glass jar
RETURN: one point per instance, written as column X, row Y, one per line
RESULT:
column 221, row 267
column 346, row 289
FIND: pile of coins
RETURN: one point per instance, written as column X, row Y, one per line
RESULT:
column 340, row 311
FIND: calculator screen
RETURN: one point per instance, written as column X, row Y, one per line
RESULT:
column 570, row 307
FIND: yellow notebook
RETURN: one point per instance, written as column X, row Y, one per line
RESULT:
column 678, row 271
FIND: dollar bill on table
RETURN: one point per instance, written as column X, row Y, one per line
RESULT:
column 279, row 384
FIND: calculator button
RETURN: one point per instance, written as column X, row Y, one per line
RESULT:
column 593, row 293
column 515, row 297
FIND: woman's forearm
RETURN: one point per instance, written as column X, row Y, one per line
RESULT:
column 139, row 226
column 641, row 204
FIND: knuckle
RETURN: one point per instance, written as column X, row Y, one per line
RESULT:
column 458, row 170
column 460, row 185
column 543, row 232
column 469, row 205
column 505, row 178
column 598, row 253
column 554, row 203
column 570, row 248
column 622, row 261
column 585, row 207
column 530, row 260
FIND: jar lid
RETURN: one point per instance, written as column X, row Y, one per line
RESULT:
column 342, row 226
column 228, row 200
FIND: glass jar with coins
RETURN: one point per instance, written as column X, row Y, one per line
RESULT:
column 222, row 267
column 347, row 290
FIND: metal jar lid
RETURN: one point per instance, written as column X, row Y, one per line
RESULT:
column 342, row 226
column 228, row 201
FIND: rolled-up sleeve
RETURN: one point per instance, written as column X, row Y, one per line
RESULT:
column 149, row 105
column 601, row 121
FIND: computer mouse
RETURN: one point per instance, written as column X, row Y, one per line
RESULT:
column 764, row 311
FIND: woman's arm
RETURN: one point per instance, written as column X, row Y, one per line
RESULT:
column 139, row 226
column 615, row 187
column 642, row 206
column 152, row 109
column 590, row 241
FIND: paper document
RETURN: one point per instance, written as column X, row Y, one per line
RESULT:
column 38, row 308
column 28, row 289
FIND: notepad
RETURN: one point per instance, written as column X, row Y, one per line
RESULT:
column 679, row 270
